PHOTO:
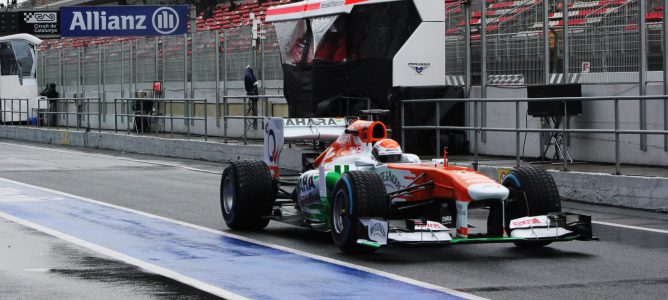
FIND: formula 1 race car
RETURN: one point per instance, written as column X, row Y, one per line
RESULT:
column 368, row 193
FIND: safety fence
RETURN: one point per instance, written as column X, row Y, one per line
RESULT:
column 559, row 135
column 536, row 42
column 192, row 65
column 234, row 117
column 13, row 110
column 71, row 112
column 146, row 115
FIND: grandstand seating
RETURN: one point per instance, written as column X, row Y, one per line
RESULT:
column 581, row 12
column 223, row 18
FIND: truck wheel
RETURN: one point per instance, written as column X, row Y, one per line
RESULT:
column 357, row 194
column 533, row 192
column 246, row 195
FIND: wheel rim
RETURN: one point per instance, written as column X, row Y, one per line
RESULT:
column 340, row 211
column 228, row 194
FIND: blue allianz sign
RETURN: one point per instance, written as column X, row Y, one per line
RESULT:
column 80, row 21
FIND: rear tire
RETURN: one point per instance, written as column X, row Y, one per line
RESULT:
column 357, row 194
column 533, row 192
column 246, row 195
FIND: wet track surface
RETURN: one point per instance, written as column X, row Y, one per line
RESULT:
column 626, row 263
column 34, row 265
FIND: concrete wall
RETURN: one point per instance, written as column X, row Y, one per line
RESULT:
column 596, row 115
column 291, row 158
column 649, row 193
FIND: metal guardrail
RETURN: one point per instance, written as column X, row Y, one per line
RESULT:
column 478, row 129
column 250, row 112
column 136, row 109
column 9, row 106
column 52, row 107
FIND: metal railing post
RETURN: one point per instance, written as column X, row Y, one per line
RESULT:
column 467, row 46
column 115, row 116
column 156, row 47
column 99, row 71
column 244, row 124
column 475, row 135
column 99, row 115
column 192, row 63
column 665, row 73
column 186, row 109
column 131, row 54
column 80, row 74
column 103, row 74
column 162, row 61
column 67, row 114
column 60, row 72
column 642, row 73
column 262, row 37
column 225, row 107
column 87, row 103
column 135, row 69
column 438, row 131
column 567, row 50
column 122, row 71
column 617, row 162
column 171, row 120
column 517, row 134
column 483, row 68
column 564, row 149
column 217, row 84
column 206, row 126
column 546, row 41
column 185, row 67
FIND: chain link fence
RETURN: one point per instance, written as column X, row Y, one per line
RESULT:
column 598, row 40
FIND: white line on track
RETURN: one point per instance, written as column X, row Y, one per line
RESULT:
column 218, row 173
column 630, row 227
column 196, row 283
column 128, row 259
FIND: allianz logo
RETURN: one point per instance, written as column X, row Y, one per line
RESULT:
column 164, row 20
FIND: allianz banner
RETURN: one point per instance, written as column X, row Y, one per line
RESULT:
column 78, row 21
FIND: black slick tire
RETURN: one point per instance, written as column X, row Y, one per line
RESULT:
column 533, row 192
column 357, row 194
column 246, row 195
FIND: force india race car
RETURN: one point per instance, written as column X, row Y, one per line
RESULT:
column 369, row 194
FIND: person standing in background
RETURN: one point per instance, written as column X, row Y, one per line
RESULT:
column 51, row 93
column 250, row 83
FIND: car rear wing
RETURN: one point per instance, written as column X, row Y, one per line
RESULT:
column 280, row 130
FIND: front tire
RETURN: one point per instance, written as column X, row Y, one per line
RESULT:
column 246, row 195
column 533, row 192
column 357, row 194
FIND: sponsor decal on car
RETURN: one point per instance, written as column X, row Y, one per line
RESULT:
column 391, row 178
column 377, row 230
column 527, row 222
column 430, row 226
column 315, row 122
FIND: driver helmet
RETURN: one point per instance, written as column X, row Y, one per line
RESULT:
column 387, row 151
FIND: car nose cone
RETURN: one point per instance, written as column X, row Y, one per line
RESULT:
column 485, row 191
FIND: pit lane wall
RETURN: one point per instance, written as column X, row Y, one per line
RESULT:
column 598, row 114
column 177, row 148
column 647, row 193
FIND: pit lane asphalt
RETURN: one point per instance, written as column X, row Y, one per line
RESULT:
column 626, row 263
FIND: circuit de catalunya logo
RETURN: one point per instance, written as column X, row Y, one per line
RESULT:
column 123, row 20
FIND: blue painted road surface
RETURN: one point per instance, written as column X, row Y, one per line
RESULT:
column 239, row 267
